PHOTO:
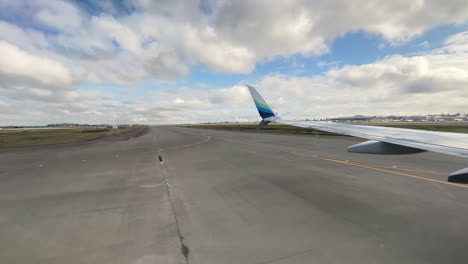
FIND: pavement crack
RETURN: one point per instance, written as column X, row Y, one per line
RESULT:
column 184, row 249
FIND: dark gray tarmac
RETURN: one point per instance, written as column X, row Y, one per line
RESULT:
column 228, row 197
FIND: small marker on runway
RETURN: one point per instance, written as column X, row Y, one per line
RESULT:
column 150, row 185
column 83, row 160
column 394, row 166
column 117, row 156
column 40, row 165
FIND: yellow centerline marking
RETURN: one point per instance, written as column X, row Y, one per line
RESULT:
column 208, row 138
column 355, row 164
column 403, row 169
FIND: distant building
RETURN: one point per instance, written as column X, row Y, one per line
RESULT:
column 444, row 118
column 356, row 118
column 413, row 118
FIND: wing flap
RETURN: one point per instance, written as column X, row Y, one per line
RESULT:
column 379, row 147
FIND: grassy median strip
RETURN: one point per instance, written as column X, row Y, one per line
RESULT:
column 271, row 128
column 45, row 136
column 457, row 127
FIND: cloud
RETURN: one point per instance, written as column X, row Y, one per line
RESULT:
column 28, row 39
column 328, row 63
column 58, row 14
column 166, row 38
column 457, row 43
column 19, row 67
column 306, row 27
column 432, row 82
column 424, row 44
column 49, row 48
column 52, row 14
column 216, row 54
column 281, row 29
column 396, row 74
column 24, row 77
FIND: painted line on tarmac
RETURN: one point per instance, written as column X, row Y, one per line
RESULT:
column 398, row 168
column 150, row 185
column 355, row 164
column 208, row 138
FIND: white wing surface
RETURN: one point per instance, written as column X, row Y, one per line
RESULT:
column 382, row 140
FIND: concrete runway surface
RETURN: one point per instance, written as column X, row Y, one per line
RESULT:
column 228, row 197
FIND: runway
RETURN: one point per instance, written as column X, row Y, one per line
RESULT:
column 183, row 195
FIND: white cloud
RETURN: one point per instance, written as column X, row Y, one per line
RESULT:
column 109, row 27
column 433, row 82
column 328, row 63
column 306, row 26
column 218, row 55
column 53, row 14
column 53, row 46
column 22, row 68
column 457, row 43
column 165, row 38
column 58, row 14
column 27, row 39
column 424, row 44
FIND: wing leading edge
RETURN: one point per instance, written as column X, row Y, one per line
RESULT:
column 382, row 140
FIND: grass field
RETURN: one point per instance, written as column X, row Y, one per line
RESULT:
column 457, row 127
column 271, row 128
column 32, row 137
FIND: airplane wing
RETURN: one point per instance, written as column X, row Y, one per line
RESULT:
column 381, row 140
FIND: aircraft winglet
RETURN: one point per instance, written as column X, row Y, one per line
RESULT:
column 263, row 108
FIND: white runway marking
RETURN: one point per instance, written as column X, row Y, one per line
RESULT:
column 150, row 185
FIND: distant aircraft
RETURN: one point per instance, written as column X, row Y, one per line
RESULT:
column 382, row 140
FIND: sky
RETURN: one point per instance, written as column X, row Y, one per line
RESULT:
column 171, row 61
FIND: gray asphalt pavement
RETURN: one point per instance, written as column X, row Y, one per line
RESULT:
column 228, row 197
